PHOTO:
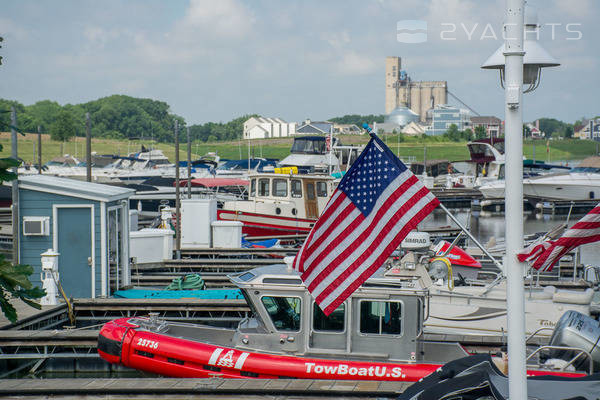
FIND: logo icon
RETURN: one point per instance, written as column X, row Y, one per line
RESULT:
column 411, row 31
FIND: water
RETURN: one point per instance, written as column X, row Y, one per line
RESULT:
column 484, row 227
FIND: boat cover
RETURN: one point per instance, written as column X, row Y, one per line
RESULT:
column 215, row 182
column 477, row 377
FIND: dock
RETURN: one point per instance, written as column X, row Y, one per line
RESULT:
column 563, row 207
column 207, row 388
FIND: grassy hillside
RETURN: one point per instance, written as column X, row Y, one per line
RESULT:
column 279, row 148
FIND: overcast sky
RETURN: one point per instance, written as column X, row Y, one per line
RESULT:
column 214, row 60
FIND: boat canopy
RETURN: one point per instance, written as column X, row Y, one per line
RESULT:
column 309, row 145
column 240, row 165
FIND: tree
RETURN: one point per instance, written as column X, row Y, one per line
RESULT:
column 480, row 132
column 569, row 132
column 14, row 282
column 1, row 40
column 64, row 127
column 526, row 131
column 467, row 134
column 358, row 120
column 453, row 133
column 551, row 125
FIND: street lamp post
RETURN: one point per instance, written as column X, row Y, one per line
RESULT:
column 520, row 62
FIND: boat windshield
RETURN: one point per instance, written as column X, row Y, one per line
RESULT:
column 309, row 146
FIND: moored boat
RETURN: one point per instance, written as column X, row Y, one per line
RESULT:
column 376, row 334
column 280, row 204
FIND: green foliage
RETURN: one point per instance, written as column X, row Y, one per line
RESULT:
column 116, row 117
column 14, row 282
column 480, row 132
column 1, row 40
column 455, row 135
column 357, row 119
column 42, row 114
column 550, row 126
column 219, row 131
column 64, row 127
column 569, row 132
column 5, row 107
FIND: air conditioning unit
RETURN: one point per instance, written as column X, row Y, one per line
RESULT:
column 36, row 226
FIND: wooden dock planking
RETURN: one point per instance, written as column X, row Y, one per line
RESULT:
column 154, row 387
column 24, row 312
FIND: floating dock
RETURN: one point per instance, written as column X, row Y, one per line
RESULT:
column 206, row 388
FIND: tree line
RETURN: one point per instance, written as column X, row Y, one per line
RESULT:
column 125, row 117
column 113, row 117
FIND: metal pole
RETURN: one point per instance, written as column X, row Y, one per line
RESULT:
column 15, row 187
column 514, row 270
column 189, row 164
column 39, row 149
column 177, row 201
column 88, row 147
column 477, row 243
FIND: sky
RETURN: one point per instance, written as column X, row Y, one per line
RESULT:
column 215, row 60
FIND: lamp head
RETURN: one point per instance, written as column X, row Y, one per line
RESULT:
column 535, row 58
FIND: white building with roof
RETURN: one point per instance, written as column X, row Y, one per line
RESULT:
column 264, row 128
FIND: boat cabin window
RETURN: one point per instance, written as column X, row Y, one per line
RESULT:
column 246, row 276
column 381, row 317
column 280, row 187
column 296, row 188
column 332, row 323
column 284, row 312
column 252, row 187
column 263, row 187
column 310, row 191
column 321, row 189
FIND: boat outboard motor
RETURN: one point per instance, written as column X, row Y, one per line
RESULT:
column 577, row 330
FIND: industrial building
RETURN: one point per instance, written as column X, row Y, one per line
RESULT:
column 418, row 96
column 264, row 128
column 444, row 116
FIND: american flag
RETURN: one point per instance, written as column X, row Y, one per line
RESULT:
column 377, row 203
column 547, row 253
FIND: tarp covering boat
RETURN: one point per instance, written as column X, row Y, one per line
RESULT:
column 478, row 377
column 215, row 182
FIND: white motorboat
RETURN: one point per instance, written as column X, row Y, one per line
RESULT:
column 532, row 169
column 479, row 308
column 581, row 183
column 486, row 164
column 312, row 154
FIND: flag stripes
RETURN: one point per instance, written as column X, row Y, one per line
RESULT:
column 544, row 255
column 375, row 206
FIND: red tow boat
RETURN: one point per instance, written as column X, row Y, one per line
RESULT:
column 376, row 334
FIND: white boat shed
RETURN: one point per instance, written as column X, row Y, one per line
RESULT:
column 87, row 223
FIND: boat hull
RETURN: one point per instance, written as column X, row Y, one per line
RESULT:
column 123, row 342
column 260, row 225
column 573, row 186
